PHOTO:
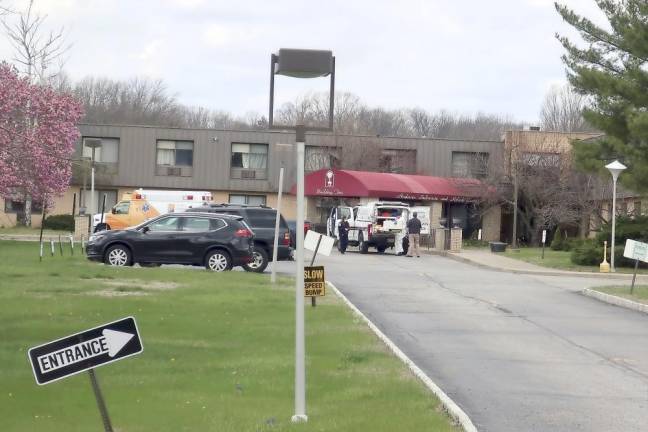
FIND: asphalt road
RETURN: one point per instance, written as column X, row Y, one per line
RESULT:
column 516, row 352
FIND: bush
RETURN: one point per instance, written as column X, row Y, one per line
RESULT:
column 590, row 253
column 559, row 242
column 474, row 243
column 587, row 254
column 59, row 222
column 626, row 228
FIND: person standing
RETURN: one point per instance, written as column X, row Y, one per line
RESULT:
column 343, row 233
column 414, row 229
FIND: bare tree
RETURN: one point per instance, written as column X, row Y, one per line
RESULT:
column 38, row 52
column 562, row 110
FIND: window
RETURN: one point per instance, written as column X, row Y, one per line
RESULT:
column 18, row 206
column 248, row 199
column 196, row 225
column 262, row 218
column 469, row 164
column 86, row 200
column 106, row 149
column 249, row 161
column 551, row 160
column 122, row 208
column 398, row 161
column 165, row 224
column 175, row 153
column 317, row 157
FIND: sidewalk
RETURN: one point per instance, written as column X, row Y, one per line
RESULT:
column 486, row 259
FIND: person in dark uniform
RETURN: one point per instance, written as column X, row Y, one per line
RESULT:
column 343, row 233
column 414, row 230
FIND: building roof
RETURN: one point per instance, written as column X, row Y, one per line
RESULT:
column 347, row 183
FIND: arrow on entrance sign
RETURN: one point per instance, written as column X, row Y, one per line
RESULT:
column 82, row 351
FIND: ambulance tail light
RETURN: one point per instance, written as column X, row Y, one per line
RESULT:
column 138, row 196
column 369, row 231
column 188, row 197
column 286, row 239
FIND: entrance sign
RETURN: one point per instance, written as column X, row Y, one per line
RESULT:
column 325, row 244
column 85, row 350
column 314, row 284
column 636, row 250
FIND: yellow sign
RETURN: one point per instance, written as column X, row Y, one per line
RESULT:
column 314, row 284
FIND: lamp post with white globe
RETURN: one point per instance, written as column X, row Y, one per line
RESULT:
column 615, row 169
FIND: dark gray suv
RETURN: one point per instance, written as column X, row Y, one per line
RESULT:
column 262, row 221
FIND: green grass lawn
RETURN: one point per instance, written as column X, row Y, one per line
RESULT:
column 560, row 260
column 640, row 293
column 218, row 353
column 21, row 230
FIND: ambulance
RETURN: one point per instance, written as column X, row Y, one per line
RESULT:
column 141, row 205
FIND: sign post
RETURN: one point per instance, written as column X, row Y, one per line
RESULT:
column 637, row 251
column 85, row 351
column 319, row 240
column 544, row 241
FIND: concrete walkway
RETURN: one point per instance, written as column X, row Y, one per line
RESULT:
column 484, row 258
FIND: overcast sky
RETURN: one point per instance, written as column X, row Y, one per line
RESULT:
column 466, row 56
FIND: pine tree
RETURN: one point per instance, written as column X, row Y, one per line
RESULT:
column 611, row 68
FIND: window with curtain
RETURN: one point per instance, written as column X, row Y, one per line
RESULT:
column 174, row 153
column 249, row 156
column 107, row 150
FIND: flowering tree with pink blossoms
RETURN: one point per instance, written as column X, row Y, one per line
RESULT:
column 37, row 135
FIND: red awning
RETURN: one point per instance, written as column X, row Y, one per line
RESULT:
column 346, row 183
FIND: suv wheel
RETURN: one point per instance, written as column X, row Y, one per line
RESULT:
column 118, row 255
column 259, row 260
column 218, row 261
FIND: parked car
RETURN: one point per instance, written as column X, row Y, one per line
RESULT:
column 219, row 242
column 292, row 224
column 262, row 221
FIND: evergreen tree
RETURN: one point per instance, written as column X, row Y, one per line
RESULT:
column 611, row 69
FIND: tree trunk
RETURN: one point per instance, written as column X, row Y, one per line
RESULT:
column 28, row 211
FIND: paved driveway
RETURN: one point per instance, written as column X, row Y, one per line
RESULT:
column 516, row 352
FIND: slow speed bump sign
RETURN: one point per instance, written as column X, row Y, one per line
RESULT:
column 314, row 284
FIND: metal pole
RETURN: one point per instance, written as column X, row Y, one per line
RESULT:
column 300, row 349
column 515, row 208
column 52, row 246
column 101, row 404
column 72, row 245
column 60, row 245
column 92, row 190
column 273, row 275
column 40, row 239
column 103, row 209
column 614, row 182
column 319, row 240
column 634, row 276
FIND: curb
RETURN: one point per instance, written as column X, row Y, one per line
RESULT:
column 622, row 276
column 615, row 300
column 450, row 406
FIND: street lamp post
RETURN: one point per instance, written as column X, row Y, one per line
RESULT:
column 93, row 143
column 615, row 169
column 301, row 63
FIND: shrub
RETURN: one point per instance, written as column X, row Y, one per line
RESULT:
column 59, row 222
column 590, row 253
column 559, row 242
column 626, row 228
column 587, row 254
column 469, row 242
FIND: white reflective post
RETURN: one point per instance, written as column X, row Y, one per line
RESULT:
column 300, row 348
column 92, row 190
column 273, row 275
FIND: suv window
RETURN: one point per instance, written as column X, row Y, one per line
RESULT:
column 194, row 224
column 165, row 224
column 261, row 218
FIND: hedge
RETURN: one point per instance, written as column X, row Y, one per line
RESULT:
column 59, row 222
